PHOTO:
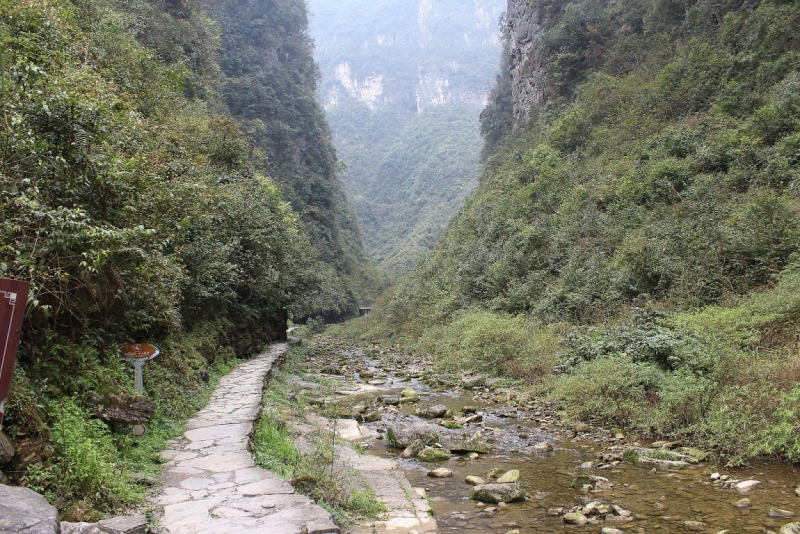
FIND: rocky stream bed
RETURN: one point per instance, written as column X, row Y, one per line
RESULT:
column 490, row 459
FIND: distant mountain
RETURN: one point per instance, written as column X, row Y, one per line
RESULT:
column 403, row 84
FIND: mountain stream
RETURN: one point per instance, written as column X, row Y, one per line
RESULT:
column 558, row 464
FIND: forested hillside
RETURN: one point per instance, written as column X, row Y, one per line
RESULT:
column 269, row 83
column 632, row 248
column 167, row 178
column 403, row 84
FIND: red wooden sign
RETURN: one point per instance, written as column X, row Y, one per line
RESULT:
column 13, row 297
column 139, row 351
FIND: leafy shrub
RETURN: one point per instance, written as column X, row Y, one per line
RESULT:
column 494, row 344
column 84, row 464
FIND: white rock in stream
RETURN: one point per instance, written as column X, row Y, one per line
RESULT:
column 747, row 486
column 442, row 472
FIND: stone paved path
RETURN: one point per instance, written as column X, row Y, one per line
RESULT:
column 210, row 483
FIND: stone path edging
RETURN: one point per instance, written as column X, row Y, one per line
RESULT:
column 210, row 483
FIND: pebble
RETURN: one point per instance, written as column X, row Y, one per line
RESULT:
column 777, row 513
column 797, row 491
column 694, row 526
column 609, row 530
column 575, row 518
column 744, row 503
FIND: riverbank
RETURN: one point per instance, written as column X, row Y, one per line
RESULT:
column 564, row 467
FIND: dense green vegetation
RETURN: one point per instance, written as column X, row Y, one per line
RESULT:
column 411, row 150
column 269, row 82
column 639, row 236
column 407, row 176
column 143, row 203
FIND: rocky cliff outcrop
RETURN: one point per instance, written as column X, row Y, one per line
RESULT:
column 525, row 28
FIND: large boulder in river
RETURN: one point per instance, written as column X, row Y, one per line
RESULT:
column 432, row 454
column 23, row 511
column 401, row 435
column 495, row 493
column 462, row 446
column 433, row 412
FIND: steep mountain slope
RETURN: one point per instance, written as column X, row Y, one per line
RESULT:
column 640, row 192
column 402, row 84
column 269, row 85
column 141, row 210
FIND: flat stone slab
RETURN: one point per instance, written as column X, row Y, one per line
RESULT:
column 26, row 512
column 210, row 484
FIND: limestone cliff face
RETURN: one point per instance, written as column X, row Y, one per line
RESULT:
column 525, row 30
column 415, row 55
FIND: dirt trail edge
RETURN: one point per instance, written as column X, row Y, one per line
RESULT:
column 210, row 483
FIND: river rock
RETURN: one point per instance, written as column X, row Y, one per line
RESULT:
column 665, row 465
column 469, row 419
column 791, row 528
column 492, row 383
column 442, row 472
column 747, row 486
column 595, row 482
column 6, row 449
column 392, row 400
column 25, row 511
column 432, row 412
column 581, row 427
column 469, row 409
column 743, row 503
column 467, row 445
column 470, row 382
column 797, row 491
column 495, row 493
column 575, row 518
column 473, row 480
column 408, row 393
column 371, row 416
column 431, row 454
column 544, row 446
column 413, row 450
column 777, row 513
column 404, row 434
column 609, row 530
column 509, row 477
column 694, row 526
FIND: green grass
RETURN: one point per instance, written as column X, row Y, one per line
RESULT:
column 630, row 455
column 661, row 454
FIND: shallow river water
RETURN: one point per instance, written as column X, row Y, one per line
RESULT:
column 660, row 501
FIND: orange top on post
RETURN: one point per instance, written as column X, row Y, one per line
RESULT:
column 138, row 352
